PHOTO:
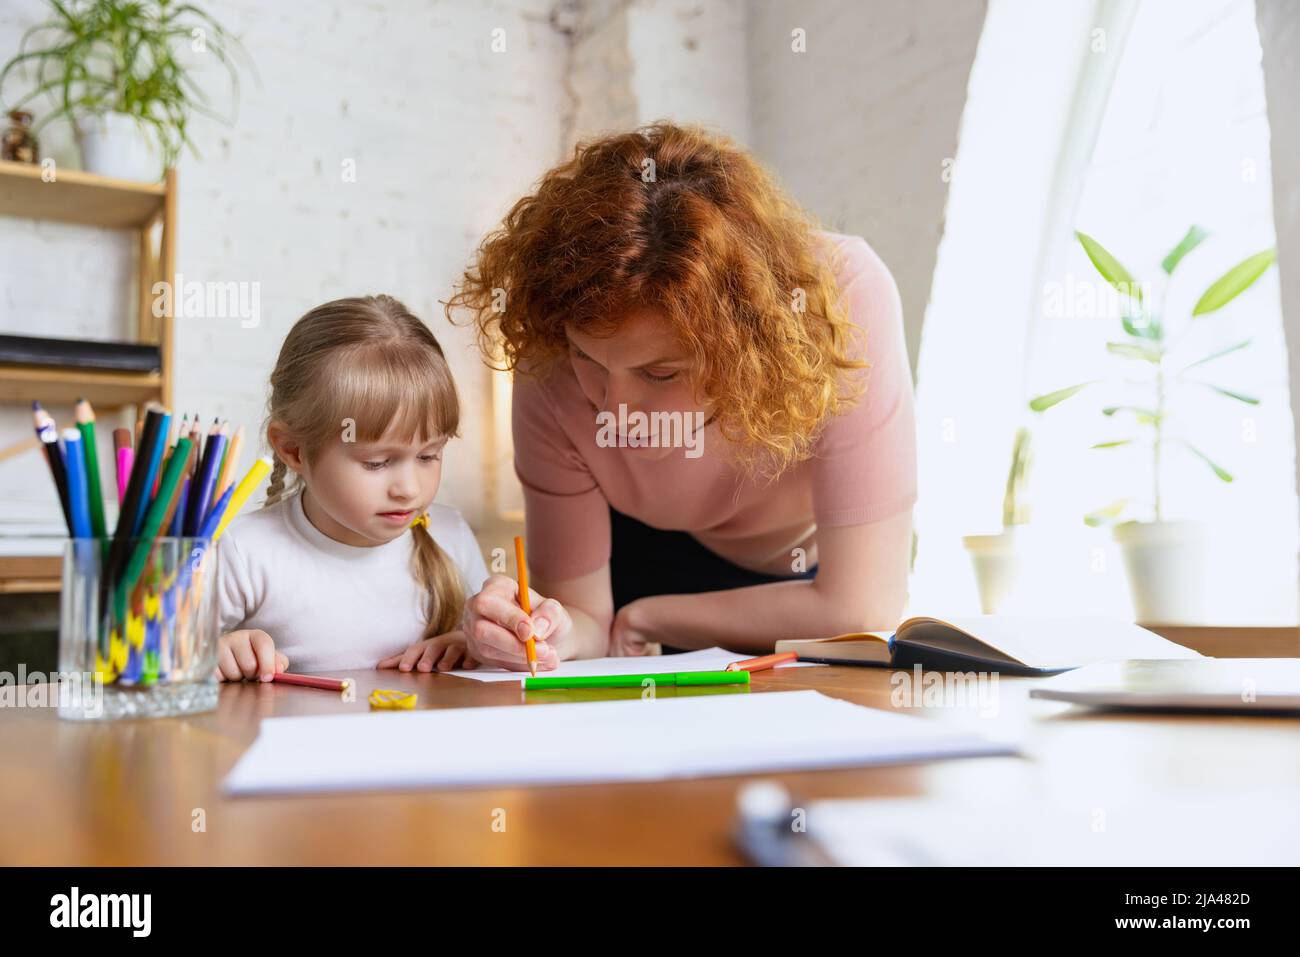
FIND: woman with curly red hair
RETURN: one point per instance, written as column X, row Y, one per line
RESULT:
column 713, row 415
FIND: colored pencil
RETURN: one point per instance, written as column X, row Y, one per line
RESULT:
column 86, row 426
column 148, row 456
column 230, row 463
column 214, row 516
column 162, row 503
column 176, row 527
column 763, row 662
column 311, row 681
column 135, row 499
column 173, row 509
column 78, row 486
column 205, row 480
column 521, row 564
column 244, row 489
column 125, row 455
column 48, row 433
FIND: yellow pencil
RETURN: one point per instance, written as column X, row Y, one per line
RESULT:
column 244, row 489
column 522, row 564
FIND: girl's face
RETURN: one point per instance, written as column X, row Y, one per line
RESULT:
column 642, row 368
column 366, row 494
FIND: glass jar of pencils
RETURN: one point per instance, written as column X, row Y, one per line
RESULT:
column 138, row 628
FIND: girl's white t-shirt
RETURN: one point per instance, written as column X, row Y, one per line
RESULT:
column 327, row 605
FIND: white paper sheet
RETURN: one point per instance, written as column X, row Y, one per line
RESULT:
column 707, row 659
column 1221, row 830
column 638, row 740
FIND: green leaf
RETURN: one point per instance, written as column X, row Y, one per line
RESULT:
column 1195, row 234
column 1106, row 514
column 1234, row 282
column 1215, row 355
column 1111, row 269
column 1134, row 350
column 1147, row 330
column 1221, row 472
column 1112, row 409
column 1248, row 399
column 1111, row 445
column 1045, row 402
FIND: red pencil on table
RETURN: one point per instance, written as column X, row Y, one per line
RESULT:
column 763, row 663
column 311, row 681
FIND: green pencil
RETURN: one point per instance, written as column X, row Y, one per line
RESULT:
column 153, row 519
column 680, row 679
column 86, row 425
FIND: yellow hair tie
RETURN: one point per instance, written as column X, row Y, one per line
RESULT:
column 421, row 522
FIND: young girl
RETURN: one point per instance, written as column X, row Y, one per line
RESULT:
column 352, row 566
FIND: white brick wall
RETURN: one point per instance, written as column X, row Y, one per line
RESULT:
column 445, row 135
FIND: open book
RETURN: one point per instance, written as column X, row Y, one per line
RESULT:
column 1008, row 644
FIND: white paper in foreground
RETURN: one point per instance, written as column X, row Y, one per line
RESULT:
column 589, row 742
column 707, row 659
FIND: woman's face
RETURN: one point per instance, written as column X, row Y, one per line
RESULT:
column 643, row 378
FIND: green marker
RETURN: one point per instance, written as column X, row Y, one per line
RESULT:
column 683, row 679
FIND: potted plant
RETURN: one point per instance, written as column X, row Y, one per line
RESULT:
column 1165, row 559
column 120, row 72
column 996, row 558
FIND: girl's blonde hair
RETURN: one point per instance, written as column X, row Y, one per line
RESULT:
column 367, row 366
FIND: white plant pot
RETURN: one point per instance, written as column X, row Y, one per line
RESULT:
column 116, row 145
column 996, row 559
column 1166, row 567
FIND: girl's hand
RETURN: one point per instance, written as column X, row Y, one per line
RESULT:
column 249, row 654
column 496, row 628
column 444, row 652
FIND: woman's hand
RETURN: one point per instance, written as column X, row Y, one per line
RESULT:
column 627, row 637
column 496, row 628
column 249, row 654
column 444, row 652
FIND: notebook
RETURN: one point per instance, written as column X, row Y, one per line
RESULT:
column 1237, row 685
column 1007, row 644
column 587, row 743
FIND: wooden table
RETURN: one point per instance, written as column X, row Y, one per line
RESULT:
column 136, row 792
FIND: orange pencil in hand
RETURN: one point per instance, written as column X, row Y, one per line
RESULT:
column 522, row 564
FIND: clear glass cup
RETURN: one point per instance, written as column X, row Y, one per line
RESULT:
column 141, row 641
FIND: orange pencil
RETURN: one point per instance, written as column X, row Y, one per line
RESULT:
column 763, row 663
column 524, row 602
column 311, row 681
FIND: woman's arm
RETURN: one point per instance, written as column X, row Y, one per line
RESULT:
column 861, row 585
column 590, row 604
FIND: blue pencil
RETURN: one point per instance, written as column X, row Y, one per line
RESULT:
column 153, row 464
column 205, row 482
column 218, row 510
column 78, row 484
column 178, row 520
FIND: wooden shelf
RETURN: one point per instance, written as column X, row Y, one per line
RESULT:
column 30, row 574
column 150, row 211
column 103, row 389
column 77, row 197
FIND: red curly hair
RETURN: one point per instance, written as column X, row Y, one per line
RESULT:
column 681, row 220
